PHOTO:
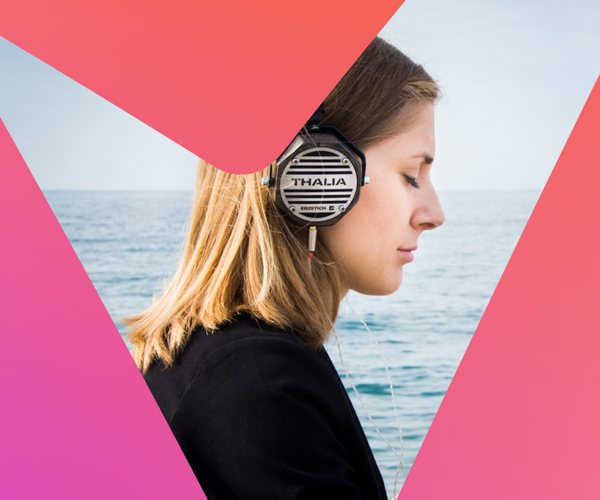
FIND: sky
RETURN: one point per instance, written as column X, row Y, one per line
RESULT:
column 515, row 76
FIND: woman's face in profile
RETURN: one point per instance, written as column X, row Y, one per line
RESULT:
column 378, row 236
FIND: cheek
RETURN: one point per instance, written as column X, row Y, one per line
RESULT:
column 369, row 227
column 364, row 242
column 381, row 211
column 343, row 236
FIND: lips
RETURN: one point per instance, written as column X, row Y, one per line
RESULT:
column 407, row 253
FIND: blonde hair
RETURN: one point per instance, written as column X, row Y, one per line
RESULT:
column 241, row 255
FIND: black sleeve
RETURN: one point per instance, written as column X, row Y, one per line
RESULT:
column 266, row 419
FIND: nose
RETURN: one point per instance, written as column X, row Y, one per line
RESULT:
column 429, row 214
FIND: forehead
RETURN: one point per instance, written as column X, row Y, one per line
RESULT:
column 414, row 141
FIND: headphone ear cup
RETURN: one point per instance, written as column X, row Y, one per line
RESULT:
column 319, row 177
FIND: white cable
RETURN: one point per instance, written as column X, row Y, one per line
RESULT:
column 399, row 456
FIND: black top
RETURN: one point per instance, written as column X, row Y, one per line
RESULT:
column 259, row 415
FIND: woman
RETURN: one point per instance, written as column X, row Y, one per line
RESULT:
column 233, row 350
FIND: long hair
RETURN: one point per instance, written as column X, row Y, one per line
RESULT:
column 241, row 255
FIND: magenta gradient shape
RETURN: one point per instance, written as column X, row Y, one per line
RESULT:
column 77, row 419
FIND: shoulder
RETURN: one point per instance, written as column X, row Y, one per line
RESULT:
column 244, row 358
column 257, row 413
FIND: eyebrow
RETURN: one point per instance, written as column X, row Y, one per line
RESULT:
column 428, row 159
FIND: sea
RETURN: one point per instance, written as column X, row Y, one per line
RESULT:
column 129, row 243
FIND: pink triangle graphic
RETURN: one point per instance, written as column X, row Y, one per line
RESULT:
column 231, row 82
column 78, row 420
column 520, row 419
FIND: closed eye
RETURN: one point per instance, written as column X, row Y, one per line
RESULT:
column 412, row 181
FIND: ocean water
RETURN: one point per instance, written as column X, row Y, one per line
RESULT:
column 128, row 243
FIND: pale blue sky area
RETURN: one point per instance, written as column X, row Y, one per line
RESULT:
column 515, row 74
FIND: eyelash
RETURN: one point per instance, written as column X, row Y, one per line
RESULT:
column 412, row 181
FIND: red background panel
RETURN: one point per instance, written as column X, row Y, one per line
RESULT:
column 231, row 82
column 520, row 419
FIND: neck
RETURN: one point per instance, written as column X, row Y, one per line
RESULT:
column 343, row 292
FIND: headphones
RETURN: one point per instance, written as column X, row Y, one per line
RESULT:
column 319, row 175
